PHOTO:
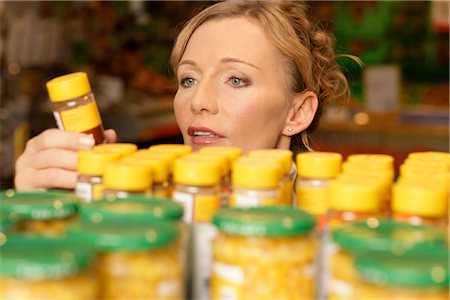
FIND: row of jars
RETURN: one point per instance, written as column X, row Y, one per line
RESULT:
column 137, row 247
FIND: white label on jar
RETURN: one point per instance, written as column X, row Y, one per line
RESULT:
column 187, row 201
column 84, row 190
column 168, row 288
column 229, row 273
column 58, row 120
column 203, row 234
column 246, row 201
column 341, row 288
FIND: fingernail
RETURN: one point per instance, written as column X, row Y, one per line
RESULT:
column 87, row 141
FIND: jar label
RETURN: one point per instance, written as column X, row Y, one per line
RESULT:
column 168, row 288
column 81, row 118
column 84, row 190
column 287, row 192
column 187, row 201
column 248, row 201
column 97, row 192
column 58, row 120
column 313, row 200
column 227, row 281
column 205, row 207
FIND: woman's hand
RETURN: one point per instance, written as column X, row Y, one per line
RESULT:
column 50, row 159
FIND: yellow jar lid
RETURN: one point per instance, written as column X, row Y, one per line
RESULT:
column 426, row 165
column 253, row 172
column 282, row 155
column 179, row 149
column 168, row 157
column 122, row 148
column 233, row 153
column 361, row 168
column 353, row 196
column 196, row 172
column 414, row 197
column 412, row 169
column 430, row 155
column 127, row 177
column 68, row 87
column 320, row 165
column 377, row 182
column 94, row 162
column 160, row 170
column 222, row 159
column 381, row 160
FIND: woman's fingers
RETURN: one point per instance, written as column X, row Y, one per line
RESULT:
column 55, row 138
column 32, row 179
column 110, row 135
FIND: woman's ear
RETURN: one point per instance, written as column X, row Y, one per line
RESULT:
column 301, row 114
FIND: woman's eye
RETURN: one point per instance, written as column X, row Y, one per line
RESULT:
column 187, row 82
column 238, row 82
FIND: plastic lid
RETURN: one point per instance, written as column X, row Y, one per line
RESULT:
column 196, row 172
column 419, row 198
column 179, row 149
column 40, row 257
column 127, row 177
column 254, row 172
column 381, row 160
column 124, row 236
column 168, row 157
column 220, row 158
column 160, row 170
column 94, row 162
column 387, row 235
column 420, row 270
column 134, row 208
column 7, row 222
column 353, row 196
column 232, row 153
column 377, row 182
column 361, row 168
column 281, row 155
column 424, row 169
column 321, row 165
column 430, row 155
column 123, row 149
column 68, row 87
column 38, row 205
column 264, row 221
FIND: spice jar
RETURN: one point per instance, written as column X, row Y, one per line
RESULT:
column 124, row 149
column 263, row 253
column 38, row 267
column 134, row 260
column 123, row 179
column 39, row 212
column 256, row 182
column 91, row 166
column 382, row 236
column 75, row 108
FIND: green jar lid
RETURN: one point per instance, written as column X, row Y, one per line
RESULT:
column 416, row 269
column 7, row 222
column 136, row 208
column 264, row 221
column 39, row 257
column 387, row 235
column 124, row 236
column 38, row 205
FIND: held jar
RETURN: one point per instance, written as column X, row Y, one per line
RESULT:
column 46, row 213
column 134, row 261
column 36, row 267
column 75, row 108
column 263, row 253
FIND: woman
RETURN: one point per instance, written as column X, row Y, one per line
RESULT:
column 251, row 74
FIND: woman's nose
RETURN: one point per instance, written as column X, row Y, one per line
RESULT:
column 204, row 99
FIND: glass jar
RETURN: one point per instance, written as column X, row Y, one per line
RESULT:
column 122, row 179
column 384, row 235
column 263, row 253
column 315, row 170
column 39, row 212
column 124, row 149
column 37, row 267
column 91, row 166
column 413, row 276
column 284, row 158
column 134, row 260
column 74, row 105
column 256, row 182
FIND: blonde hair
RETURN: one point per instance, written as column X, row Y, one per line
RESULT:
column 309, row 50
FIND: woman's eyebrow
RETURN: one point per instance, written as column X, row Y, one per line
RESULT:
column 187, row 62
column 237, row 60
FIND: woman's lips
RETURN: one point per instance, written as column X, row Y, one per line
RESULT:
column 204, row 135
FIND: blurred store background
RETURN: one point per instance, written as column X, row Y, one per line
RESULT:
column 400, row 99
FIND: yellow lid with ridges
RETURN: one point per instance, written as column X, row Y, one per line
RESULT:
column 381, row 160
column 412, row 169
column 430, row 155
column 160, row 169
column 353, row 196
column 361, row 168
column 282, row 155
column 196, row 172
column 123, row 149
column 127, row 177
column 253, row 172
column 68, row 87
column 232, row 153
column 377, row 182
column 222, row 159
column 425, row 165
column 416, row 197
column 321, row 165
column 168, row 157
column 94, row 162
column 179, row 149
